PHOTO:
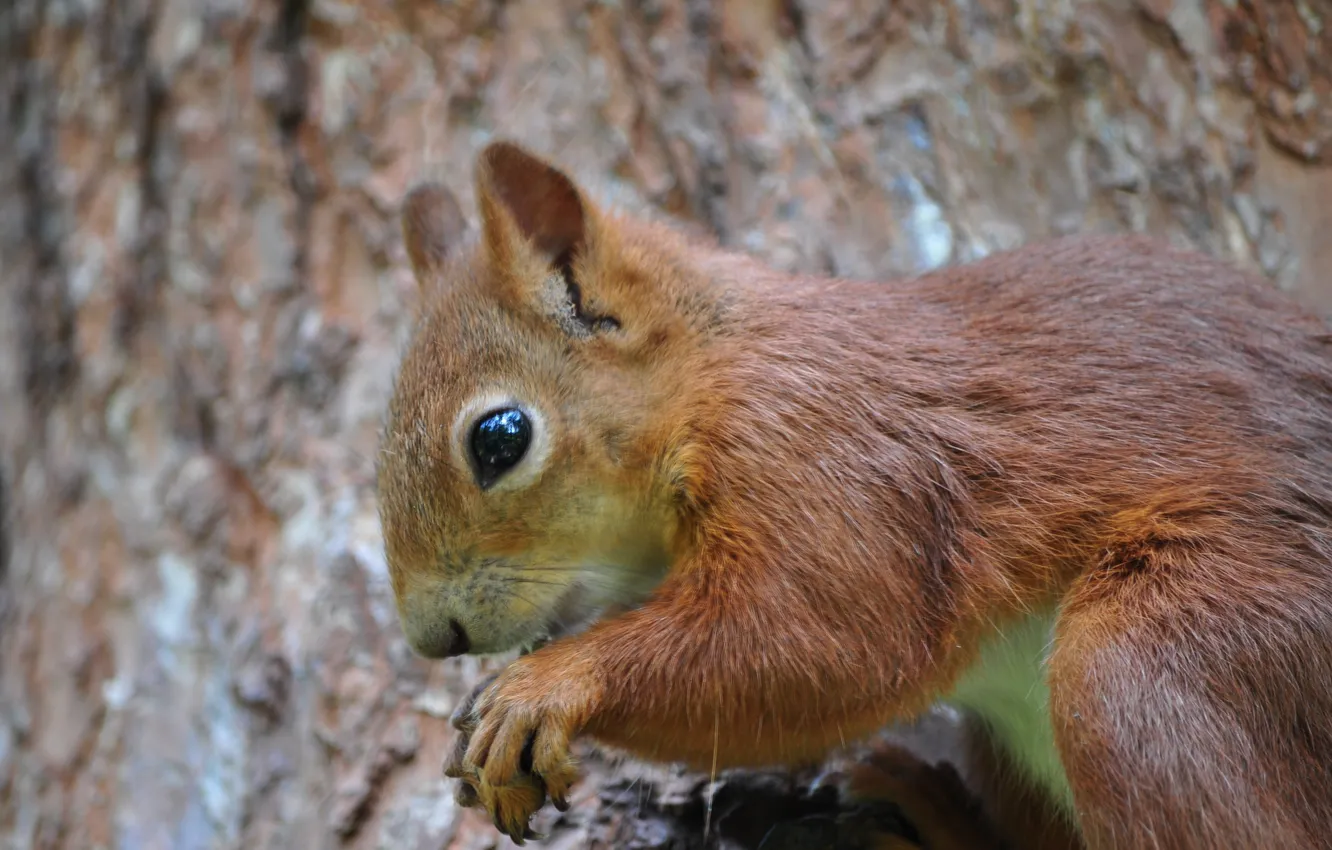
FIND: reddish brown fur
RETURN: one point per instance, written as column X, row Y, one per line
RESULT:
column 854, row 482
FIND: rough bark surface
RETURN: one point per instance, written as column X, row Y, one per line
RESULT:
column 203, row 293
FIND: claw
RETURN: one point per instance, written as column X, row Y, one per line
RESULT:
column 466, row 796
column 463, row 717
column 516, row 834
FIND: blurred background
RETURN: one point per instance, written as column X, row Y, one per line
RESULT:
column 203, row 294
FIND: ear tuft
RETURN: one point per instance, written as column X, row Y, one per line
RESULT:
column 543, row 203
column 432, row 227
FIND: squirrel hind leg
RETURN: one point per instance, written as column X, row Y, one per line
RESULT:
column 1191, row 689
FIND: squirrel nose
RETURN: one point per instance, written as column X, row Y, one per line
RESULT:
column 445, row 642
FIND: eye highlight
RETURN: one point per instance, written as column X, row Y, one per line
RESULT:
column 500, row 438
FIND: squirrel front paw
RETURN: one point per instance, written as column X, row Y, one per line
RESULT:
column 513, row 745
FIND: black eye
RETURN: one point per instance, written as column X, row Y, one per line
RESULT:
column 499, row 441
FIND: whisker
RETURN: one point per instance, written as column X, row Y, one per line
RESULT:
column 586, row 576
column 526, row 568
column 524, row 580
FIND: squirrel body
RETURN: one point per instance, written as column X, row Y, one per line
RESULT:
column 1084, row 488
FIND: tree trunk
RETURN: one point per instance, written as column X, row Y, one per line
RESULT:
column 203, row 293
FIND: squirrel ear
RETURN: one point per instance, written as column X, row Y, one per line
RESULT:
column 523, row 195
column 432, row 227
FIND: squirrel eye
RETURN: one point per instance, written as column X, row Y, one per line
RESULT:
column 499, row 441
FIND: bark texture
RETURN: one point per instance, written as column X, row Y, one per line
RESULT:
column 203, row 293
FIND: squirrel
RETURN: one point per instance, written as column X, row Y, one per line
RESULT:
column 1081, row 489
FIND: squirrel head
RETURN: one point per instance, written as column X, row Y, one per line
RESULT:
column 526, row 477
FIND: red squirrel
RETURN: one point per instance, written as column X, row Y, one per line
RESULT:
column 1082, row 489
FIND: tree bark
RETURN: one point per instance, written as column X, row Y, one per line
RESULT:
column 203, row 294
